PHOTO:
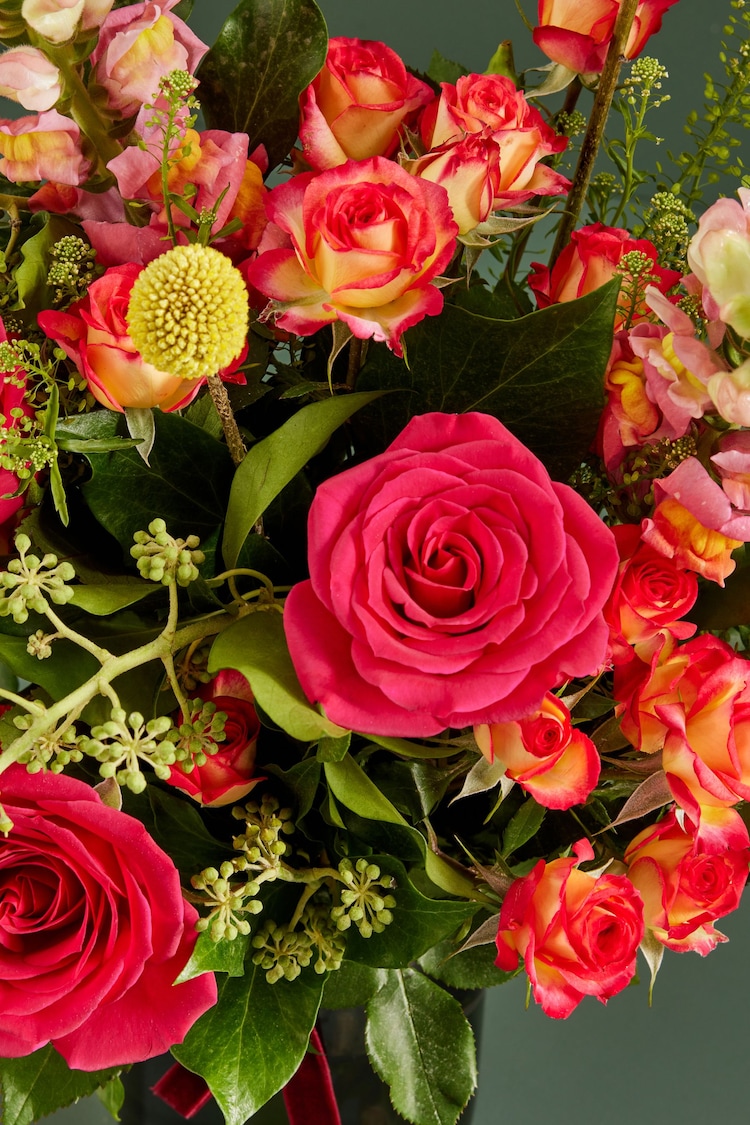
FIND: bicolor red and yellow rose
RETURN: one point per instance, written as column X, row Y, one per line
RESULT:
column 365, row 241
column 689, row 877
column 557, row 764
column 357, row 104
column 576, row 933
column 577, row 33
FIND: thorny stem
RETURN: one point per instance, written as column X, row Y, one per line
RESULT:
column 594, row 133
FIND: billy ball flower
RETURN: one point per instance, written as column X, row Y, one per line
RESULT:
column 188, row 312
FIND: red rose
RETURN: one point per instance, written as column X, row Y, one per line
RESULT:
column 93, row 930
column 589, row 261
column 650, row 595
column 356, row 105
column 577, row 933
column 452, row 582
column 229, row 774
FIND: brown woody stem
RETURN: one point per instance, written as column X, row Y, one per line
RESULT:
column 226, row 415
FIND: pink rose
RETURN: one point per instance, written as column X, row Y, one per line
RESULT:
column 489, row 104
column 557, row 764
column 688, row 878
column 366, row 239
column 357, row 104
column 138, row 45
column 577, row 933
column 589, row 261
column 578, row 34
column 229, row 774
column 93, row 333
column 43, row 147
column 93, row 932
column 452, row 583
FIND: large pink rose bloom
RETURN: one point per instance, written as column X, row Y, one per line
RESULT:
column 93, row 930
column 364, row 242
column 451, row 583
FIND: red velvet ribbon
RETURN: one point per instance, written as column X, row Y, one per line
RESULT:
column 308, row 1095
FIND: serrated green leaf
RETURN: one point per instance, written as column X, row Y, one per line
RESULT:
column 420, row 1043
column 444, row 70
column 353, row 788
column 216, row 957
column 529, row 373
column 472, row 968
column 256, row 646
column 36, row 1085
column 352, row 985
column 523, row 826
column 271, row 464
column 251, row 1042
column 266, row 53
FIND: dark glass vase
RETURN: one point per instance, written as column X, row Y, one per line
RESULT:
column 362, row 1098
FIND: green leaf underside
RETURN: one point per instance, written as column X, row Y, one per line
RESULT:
column 37, row 1085
column 256, row 646
column 540, row 375
column 250, row 1043
column 420, row 1043
column 271, row 464
column 266, row 53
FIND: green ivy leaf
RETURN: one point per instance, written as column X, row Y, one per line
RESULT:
column 266, row 53
column 275, row 461
column 101, row 600
column 541, row 375
column 334, row 749
column 31, row 275
column 256, row 646
column 523, row 826
column 66, row 669
column 186, row 482
column 352, row 985
column 420, row 1043
column 216, row 957
column 36, row 1085
column 251, row 1042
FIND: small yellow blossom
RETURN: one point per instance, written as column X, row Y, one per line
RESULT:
column 188, row 312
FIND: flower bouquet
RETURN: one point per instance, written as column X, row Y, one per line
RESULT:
column 375, row 485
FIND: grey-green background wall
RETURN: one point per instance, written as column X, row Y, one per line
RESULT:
column 686, row 1059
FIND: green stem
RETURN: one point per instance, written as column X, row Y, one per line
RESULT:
column 101, row 654
column 98, row 684
column 84, row 112
column 595, row 132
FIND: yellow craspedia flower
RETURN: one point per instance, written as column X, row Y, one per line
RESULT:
column 188, row 312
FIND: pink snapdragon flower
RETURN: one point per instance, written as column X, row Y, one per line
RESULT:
column 138, row 45
column 29, row 78
column 59, row 20
column 43, row 147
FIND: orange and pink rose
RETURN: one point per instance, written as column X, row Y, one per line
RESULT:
column 689, row 877
column 577, row 33
column 557, row 764
column 364, row 242
column 357, row 104
column 577, row 933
